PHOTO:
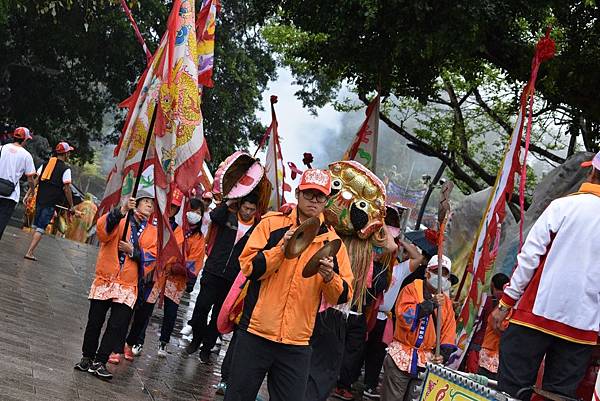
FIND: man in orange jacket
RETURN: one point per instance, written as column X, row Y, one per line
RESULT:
column 119, row 266
column 280, row 306
column 415, row 333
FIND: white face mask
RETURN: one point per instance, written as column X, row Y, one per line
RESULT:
column 193, row 217
column 445, row 283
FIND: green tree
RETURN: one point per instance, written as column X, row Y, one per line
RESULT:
column 445, row 61
column 66, row 65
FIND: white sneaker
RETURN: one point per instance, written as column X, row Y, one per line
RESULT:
column 137, row 349
column 162, row 350
column 187, row 330
column 219, row 341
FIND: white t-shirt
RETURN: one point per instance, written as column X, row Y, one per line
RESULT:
column 66, row 178
column 14, row 162
column 401, row 271
column 242, row 230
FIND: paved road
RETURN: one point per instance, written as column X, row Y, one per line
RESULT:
column 43, row 311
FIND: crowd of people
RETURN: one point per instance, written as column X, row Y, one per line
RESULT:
column 547, row 310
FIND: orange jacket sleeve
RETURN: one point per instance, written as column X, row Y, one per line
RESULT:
column 339, row 289
column 261, row 258
column 103, row 235
column 149, row 249
column 407, row 310
column 194, row 260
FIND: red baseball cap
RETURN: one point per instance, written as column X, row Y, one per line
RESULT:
column 595, row 162
column 22, row 133
column 63, row 147
column 316, row 179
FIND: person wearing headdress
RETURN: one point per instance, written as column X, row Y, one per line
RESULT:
column 120, row 267
column 418, row 306
column 15, row 161
column 280, row 306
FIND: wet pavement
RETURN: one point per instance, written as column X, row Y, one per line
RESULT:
column 43, row 313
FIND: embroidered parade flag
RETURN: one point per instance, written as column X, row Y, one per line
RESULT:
column 364, row 147
column 274, row 167
column 486, row 246
column 169, row 87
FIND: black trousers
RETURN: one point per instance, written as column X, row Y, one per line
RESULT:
column 115, row 328
column 521, row 352
column 141, row 317
column 286, row 367
column 7, row 207
column 170, row 309
column 213, row 291
column 374, row 354
column 226, row 365
column 327, row 343
column 356, row 335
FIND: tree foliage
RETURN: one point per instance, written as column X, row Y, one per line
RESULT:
column 66, row 65
column 446, row 60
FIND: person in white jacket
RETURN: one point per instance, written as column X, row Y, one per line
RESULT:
column 554, row 294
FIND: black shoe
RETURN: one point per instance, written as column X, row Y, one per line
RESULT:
column 371, row 393
column 99, row 369
column 192, row 347
column 84, row 364
column 204, row 357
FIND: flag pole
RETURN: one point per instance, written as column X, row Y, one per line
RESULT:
column 140, row 168
column 376, row 137
column 444, row 210
column 275, row 140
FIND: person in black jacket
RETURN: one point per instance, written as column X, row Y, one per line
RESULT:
column 54, row 188
column 234, row 221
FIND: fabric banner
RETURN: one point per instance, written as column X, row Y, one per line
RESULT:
column 443, row 385
column 409, row 198
column 177, row 149
column 364, row 147
column 486, row 245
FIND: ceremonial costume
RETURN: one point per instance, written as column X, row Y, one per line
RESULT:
column 356, row 210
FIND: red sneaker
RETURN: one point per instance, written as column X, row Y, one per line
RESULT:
column 128, row 353
column 115, row 359
column 342, row 394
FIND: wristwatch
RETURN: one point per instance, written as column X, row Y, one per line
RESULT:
column 503, row 308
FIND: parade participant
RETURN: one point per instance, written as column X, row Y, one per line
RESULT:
column 193, row 247
column 134, row 341
column 234, row 221
column 15, row 161
column 280, row 306
column 120, row 267
column 486, row 339
column 207, row 201
column 415, row 334
column 54, row 188
column 554, row 293
column 376, row 345
column 83, row 220
column 356, row 210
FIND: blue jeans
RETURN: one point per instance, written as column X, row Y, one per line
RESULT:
column 43, row 216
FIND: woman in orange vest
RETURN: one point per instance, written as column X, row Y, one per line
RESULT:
column 120, row 266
